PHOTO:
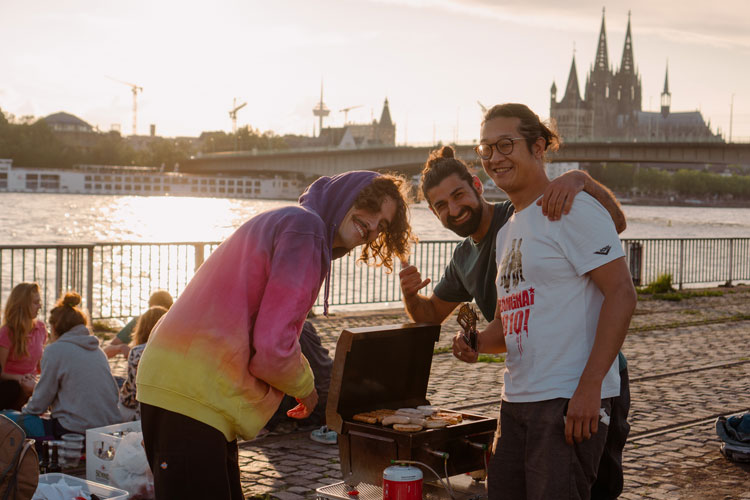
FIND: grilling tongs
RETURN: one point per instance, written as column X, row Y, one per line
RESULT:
column 467, row 318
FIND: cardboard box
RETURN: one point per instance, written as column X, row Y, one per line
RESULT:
column 101, row 447
column 102, row 491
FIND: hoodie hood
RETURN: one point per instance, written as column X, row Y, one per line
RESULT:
column 331, row 198
column 80, row 336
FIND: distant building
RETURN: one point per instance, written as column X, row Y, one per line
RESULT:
column 72, row 131
column 378, row 133
column 611, row 107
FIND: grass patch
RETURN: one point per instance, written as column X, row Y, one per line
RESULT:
column 671, row 296
column 678, row 296
column 662, row 284
column 662, row 289
column 691, row 312
column 703, row 293
column 490, row 358
column 678, row 324
column 483, row 358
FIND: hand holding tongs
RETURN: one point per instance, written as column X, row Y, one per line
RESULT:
column 467, row 318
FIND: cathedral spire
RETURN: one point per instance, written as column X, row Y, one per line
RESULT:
column 627, row 65
column 601, row 62
column 385, row 116
column 666, row 96
column 572, row 95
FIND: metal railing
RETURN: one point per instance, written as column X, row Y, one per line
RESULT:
column 116, row 279
column 689, row 261
column 56, row 268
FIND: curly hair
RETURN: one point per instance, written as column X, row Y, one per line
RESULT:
column 531, row 127
column 18, row 317
column 66, row 314
column 441, row 164
column 396, row 239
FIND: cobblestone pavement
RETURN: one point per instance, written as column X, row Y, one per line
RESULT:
column 689, row 361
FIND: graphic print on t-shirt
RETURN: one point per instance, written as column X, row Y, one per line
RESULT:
column 515, row 309
column 511, row 267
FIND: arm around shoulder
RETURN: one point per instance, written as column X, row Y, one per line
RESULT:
column 603, row 195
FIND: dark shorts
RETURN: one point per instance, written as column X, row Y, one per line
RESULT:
column 189, row 459
column 609, row 479
column 532, row 459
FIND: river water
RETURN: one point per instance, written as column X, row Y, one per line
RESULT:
column 64, row 218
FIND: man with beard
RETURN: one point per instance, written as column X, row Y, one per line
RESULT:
column 455, row 197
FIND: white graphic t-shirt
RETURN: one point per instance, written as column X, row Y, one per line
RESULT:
column 548, row 305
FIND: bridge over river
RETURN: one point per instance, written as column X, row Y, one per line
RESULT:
column 409, row 160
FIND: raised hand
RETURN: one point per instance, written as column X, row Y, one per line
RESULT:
column 411, row 280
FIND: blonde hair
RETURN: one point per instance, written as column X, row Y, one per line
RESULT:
column 146, row 323
column 18, row 317
column 66, row 314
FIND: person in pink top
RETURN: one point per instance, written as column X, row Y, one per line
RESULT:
column 217, row 365
column 22, row 339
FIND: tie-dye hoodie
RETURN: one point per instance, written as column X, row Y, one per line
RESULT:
column 228, row 349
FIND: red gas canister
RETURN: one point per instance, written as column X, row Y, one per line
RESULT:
column 402, row 482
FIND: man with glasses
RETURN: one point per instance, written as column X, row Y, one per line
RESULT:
column 562, row 323
column 455, row 197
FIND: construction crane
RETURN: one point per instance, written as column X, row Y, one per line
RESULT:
column 135, row 89
column 233, row 113
column 346, row 112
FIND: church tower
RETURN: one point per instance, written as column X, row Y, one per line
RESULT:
column 599, row 87
column 386, row 129
column 572, row 115
column 628, row 81
column 666, row 96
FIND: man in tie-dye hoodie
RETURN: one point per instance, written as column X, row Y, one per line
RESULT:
column 219, row 362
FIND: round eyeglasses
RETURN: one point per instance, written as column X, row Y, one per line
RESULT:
column 504, row 147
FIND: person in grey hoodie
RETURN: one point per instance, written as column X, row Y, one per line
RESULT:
column 76, row 383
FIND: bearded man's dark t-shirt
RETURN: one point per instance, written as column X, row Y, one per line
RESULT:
column 471, row 273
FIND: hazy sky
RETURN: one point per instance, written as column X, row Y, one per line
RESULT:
column 433, row 59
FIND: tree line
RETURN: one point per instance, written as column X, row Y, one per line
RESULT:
column 654, row 182
column 30, row 142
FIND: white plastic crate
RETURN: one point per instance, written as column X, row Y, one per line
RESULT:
column 101, row 490
column 101, row 446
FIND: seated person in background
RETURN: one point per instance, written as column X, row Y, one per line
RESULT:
column 321, row 364
column 121, row 343
column 76, row 384
column 129, row 407
column 10, row 393
column 22, row 339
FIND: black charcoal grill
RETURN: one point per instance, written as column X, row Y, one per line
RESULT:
column 389, row 367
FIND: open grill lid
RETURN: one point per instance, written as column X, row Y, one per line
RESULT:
column 380, row 367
